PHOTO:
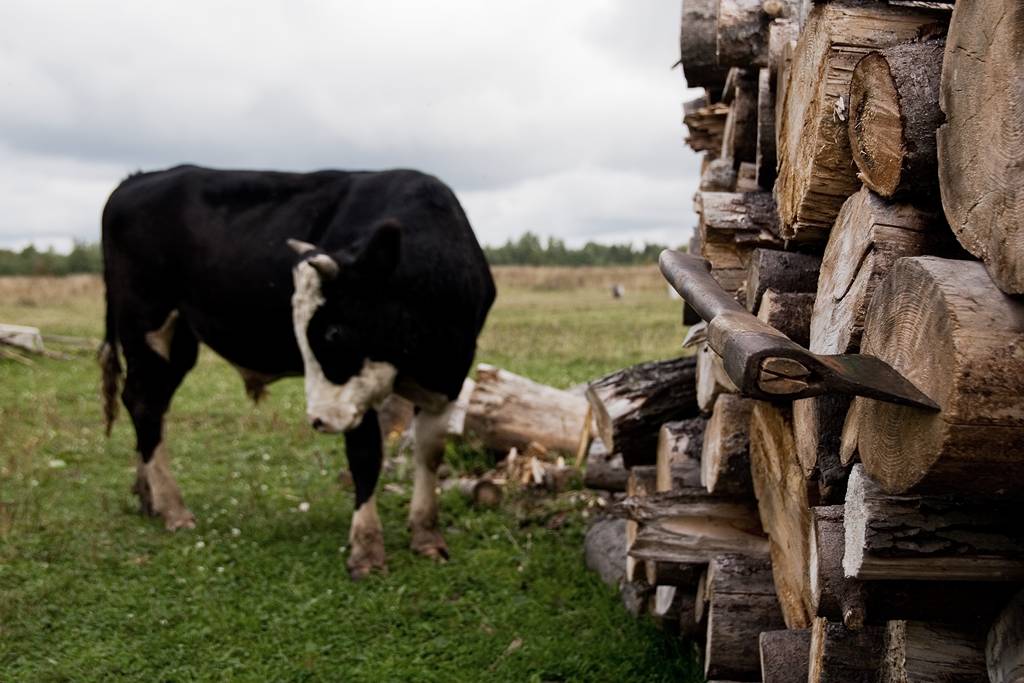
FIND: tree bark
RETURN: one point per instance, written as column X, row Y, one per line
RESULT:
column 784, row 655
column 919, row 652
column 742, row 33
column 818, row 430
column 816, row 171
column 697, row 39
column 981, row 145
column 783, row 271
column 765, row 159
column 841, row 655
column 946, row 327
column 630, row 405
column 506, row 411
column 642, row 482
column 604, row 549
column 927, row 538
column 783, row 503
column 870, row 234
column 741, row 604
column 894, row 112
column 1004, row 650
column 605, row 471
column 725, row 456
column 788, row 312
column 678, row 459
column 719, row 176
column 739, row 138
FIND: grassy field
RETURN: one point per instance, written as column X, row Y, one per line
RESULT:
column 90, row 591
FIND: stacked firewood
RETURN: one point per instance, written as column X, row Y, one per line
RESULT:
column 865, row 195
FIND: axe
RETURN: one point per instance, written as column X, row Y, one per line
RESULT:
column 766, row 364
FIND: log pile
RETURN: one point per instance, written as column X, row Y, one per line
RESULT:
column 865, row 196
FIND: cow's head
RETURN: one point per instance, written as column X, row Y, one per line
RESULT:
column 335, row 309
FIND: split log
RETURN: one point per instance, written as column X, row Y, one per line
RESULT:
column 894, row 112
column 788, row 312
column 631, row 405
column 742, row 604
column 1004, row 650
column 746, row 218
column 784, row 655
column 783, row 271
column 604, row 549
column 509, row 411
column 22, row 337
column 642, row 482
column 739, row 138
column 746, row 177
column 855, row 603
column 706, row 126
column 816, row 171
column 841, row 655
column 817, row 430
column 671, row 605
column 479, row 491
column 697, row 39
column 945, row 326
column 783, row 503
column 605, row 471
column 924, row 538
column 719, row 176
column 690, row 527
column 919, row 652
column 678, row 459
column 981, row 145
column 870, row 233
column 765, row 157
column 712, row 380
column 782, row 37
column 725, row 457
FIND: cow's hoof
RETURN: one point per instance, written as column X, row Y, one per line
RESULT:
column 362, row 565
column 429, row 543
column 141, row 489
column 179, row 519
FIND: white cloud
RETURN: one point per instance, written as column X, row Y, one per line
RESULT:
column 509, row 103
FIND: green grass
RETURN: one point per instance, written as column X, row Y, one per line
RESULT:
column 90, row 591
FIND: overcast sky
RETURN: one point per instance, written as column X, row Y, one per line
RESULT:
column 560, row 117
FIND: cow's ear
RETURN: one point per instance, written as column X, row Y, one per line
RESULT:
column 379, row 256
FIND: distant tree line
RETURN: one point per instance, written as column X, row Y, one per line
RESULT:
column 83, row 258
column 530, row 250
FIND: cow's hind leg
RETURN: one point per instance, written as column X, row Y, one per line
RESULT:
column 429, row 430
column 157, row 363
column 366, row 537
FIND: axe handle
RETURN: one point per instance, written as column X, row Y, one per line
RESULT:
column 691, row 277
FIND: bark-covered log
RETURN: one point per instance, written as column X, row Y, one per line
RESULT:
column 697, row 50
column 742, row 33
column 480, row 491
column 981, row 145
column 784, row 506
column 922, row 538
column 746, row 178
column 712, row 380
column 783, row 271
column 945, row 326
column 746, row 219
column 741, row 604
column 782, row 37
column 784, row 655
column 1004, row 650
column 725, row 457
column 630, row 405
column 642, row 482
column 919, row 652
column 855, row 603
column 706, row 125
column 894, row 112
column 869, row 235
column 739, row 139
column 719, row 176
column 816, row 170
column 637, row 597
column 842, row 655
column 605, row 471
column 604, row 549
column 509, row 411
column 788, row 312
column 678, row 459
column 766, row 159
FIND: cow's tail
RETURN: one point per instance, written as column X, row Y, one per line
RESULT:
column 110, row 363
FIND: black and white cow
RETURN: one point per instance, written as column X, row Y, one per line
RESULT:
column 366, row 283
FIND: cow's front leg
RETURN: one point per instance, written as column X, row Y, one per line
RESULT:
column 429, row 431
column 366, row 537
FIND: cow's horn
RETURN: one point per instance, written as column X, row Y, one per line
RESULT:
column 300, row 247
column 325, row 265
